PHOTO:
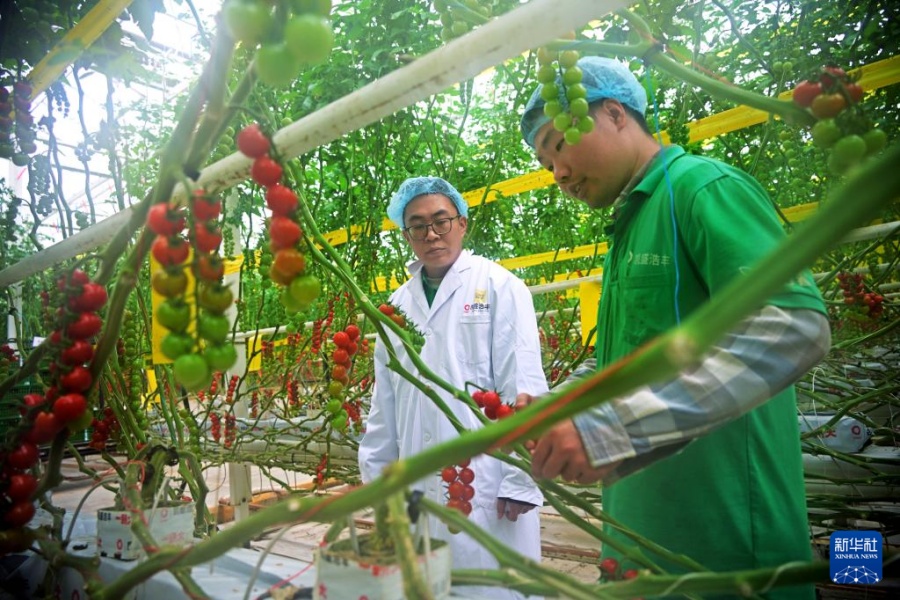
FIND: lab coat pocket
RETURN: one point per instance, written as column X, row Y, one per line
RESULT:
column 473, row 350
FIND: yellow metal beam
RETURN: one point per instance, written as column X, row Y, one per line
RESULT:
column 76, row 41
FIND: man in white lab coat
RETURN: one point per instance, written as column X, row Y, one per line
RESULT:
column 480, row 327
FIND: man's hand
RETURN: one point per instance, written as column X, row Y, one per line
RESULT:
column 561, row 452
column 512, row 508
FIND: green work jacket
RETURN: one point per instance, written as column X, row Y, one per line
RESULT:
column 733, row 499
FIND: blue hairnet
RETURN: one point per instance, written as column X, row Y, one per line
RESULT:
column 603, row 78
column 418, row 186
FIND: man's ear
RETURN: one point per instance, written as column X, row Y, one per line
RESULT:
column 464, row 223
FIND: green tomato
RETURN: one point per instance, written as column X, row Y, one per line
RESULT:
column 213, row 328
column 546, row 74
column 248, row 22
column 876, row 140
column 334, row 406
column 849, row 149
column 552, row 108
column 572, row 75
column 562, row 121
column 825, row 133
column 568, row 58
column 176, row 344
column 550, row 92
column 572, row 136
column 290, row 305
column 586, row 124
column 220, row 357
column 276, row 65
column 309, row 38
column 576, row 91
column 305, row 289
column 320, row 7
column 339, row 422
column 579, row 108
column 192, row 372
column 174, row 315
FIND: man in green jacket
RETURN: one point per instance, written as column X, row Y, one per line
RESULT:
column 709, row 464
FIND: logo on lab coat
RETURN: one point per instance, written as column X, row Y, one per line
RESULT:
column 479, row 303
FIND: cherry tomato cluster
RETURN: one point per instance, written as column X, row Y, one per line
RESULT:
column 393, row 314
column 573, row 120
column 493, row 407
column 346, row 346
column 611, row 570
column 855, row 294
column 843, row 128
column 170, row 248
column 230, row 430
column 288, row 266
column 459, row 487
column 15, row 109
column 321, row 468
column 63, row 405
column 305, row 38
column 215, row 427
column 9, row 360
column 103, row 429
column 459, row 17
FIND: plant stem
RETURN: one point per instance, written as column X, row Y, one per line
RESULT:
column 413, row 584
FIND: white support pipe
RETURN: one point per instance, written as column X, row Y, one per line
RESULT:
column 510, row 35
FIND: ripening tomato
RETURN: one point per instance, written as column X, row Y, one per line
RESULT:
column 92, row 297
column 69, row 407
column 338, row 371
column 170, row 251
column 165, row 218
column 855, row 92
column 206, row 239
column 21, row 486
column 78, row 353
column 825, row 106
column 806, row 92
column 386, row 309
column 288, row 264
column 87, row 324
column 283, row 233
column 204, row 207
column 214, row 297
column 400, row 320
column 209, row 267
column 77, row 380
column 252, row 142
column 170, row 283
column 335, row 389
column 831, row 75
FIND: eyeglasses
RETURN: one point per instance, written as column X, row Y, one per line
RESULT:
column 439, row 226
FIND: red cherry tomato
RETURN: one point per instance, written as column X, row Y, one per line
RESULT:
column 77, row 380
column 164, row 218
column 609, row 566
column 806, row 92
column 252, row 142
column 75, row 279
column 491, row 400
column 281, row 200
column 44, row 428
column 386, row 309
column 19, row 515
column 449, row 474
column 456, row 490
column 21, row 486
column 467, row 475
column 69, row 407
column 87, row 324
column 206, row 239
column 78, row 353
column 283, row 233
column 341, row 339
column 825, row 106
column 266, row 171
column 504, row 410
column 169, row 251
column 23, row 457
column 341, row 357
column 205, row 208
column 353, row 332
column 209, row 267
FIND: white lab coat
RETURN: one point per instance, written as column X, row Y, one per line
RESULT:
column 482, row 329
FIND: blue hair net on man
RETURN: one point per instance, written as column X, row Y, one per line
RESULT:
column 602, row 78
column 414, row 187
